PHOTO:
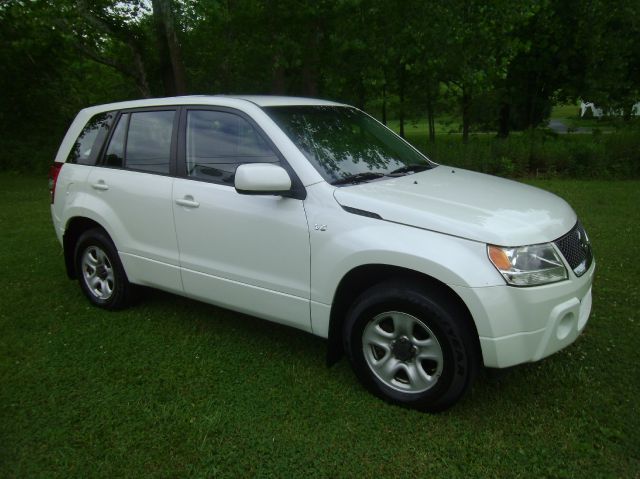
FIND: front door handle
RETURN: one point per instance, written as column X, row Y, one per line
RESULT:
column 188, row 202
column 100, row 185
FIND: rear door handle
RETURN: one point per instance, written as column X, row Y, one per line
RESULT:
column 100, row 185
column 188, row 202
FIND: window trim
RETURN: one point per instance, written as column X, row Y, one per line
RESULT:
column 297, row 191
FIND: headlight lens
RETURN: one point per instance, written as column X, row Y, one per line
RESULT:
column 528, row 265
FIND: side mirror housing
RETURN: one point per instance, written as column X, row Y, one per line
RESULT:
column 262, row 179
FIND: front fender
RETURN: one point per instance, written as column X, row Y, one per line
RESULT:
column 362, row 241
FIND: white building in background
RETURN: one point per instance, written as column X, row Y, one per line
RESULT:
column 598, row 112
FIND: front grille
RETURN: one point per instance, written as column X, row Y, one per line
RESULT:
column 576, row 249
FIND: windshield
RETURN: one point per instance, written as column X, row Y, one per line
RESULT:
column 342, row 142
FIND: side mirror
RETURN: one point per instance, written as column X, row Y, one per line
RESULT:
column 262, row 179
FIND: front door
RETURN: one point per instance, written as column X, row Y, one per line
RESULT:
column 248, row 253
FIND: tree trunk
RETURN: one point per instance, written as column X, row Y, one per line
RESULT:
column 466, row 114
column 311, row 58
column 532, row 100
column 401, row 95
column 432, row 125
column 503, row 121
column 430, row 117
column 309, row 80
column 174, row 77
column 362, row 93
column 140, row 75
column 384, row 104
column 278, row 80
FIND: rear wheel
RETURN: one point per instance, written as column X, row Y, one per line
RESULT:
column 410, row 346
column 100, row 273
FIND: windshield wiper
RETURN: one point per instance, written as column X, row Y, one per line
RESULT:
column 357, row 178
column 370, row 175
column 408, row 169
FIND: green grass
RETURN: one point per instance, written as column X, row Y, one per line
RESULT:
column 176, row 388
column 570, row 116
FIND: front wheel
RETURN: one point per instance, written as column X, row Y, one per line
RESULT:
column 411, row 346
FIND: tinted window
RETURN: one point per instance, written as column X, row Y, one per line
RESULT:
column 115, row 151
column 217, row 142
column 149, row 141
column 84, row 149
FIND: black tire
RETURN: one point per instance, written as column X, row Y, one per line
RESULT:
column 429, row 375
column 100, row 273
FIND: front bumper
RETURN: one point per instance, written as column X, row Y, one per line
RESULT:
column 519, row 325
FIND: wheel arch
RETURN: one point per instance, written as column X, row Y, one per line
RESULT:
column 363, row 277
column 75, row 227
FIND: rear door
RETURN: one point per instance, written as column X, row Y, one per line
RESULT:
column 249, row 253
column 131, row 190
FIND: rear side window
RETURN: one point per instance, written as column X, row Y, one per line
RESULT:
column 142, row 141
column 217, row 142
column 149, row 141
column 115, row 152
column 86, row 148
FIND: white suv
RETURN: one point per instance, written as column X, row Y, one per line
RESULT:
column 312, row 214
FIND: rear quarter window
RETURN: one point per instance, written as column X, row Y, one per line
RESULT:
column 86, row 147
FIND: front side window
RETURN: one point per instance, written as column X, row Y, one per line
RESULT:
column 84, row 149
column 342, row 142
column 217, row 142
column 142, row 141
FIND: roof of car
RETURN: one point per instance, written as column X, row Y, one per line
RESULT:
column 222, row 100
column 272, row 100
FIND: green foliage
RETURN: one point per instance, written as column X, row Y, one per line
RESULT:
column 481, row 65
column 553, row 60
column 611, row 155
column 612, row 53
column 177, row 388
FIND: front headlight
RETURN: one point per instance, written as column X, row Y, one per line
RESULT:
column 528, row 265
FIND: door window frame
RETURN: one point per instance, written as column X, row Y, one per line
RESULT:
column 177, row 159
column 297, row 191
column 176, row 109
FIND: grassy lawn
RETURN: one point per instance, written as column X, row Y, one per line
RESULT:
column 570, row 116
column 176, row 388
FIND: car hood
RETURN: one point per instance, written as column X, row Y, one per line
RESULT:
column 466, row 204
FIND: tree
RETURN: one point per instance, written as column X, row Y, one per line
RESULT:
column 172, row 69
column 112, row 34
column 480, row 45
column 139, row 42
column 611, row 49
column 552, row 61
